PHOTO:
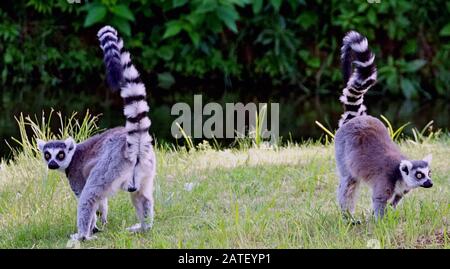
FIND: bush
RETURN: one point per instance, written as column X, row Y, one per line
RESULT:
column 50, row 45
column 50, row 53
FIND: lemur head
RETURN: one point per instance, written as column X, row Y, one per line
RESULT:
column 57, row 153
column 417, row 173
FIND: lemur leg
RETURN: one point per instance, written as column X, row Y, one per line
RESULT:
column 143, row 203
column 380, row 197
column 92, row 195
column 95, row 229
column 144, row 212
column 87, row 207
column 103, row 209
column 396, row 200
column 99, row 185
column 93, row 224
column 347, row 195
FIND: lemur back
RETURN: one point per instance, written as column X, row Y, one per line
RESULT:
column 119, row 158
column 364, row 150
column 86, row 156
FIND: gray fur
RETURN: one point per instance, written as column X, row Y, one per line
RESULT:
column 119, row 158
column 110, row 173
column 98, row 169
column 365, row 152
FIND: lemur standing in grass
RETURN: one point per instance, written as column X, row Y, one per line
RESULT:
column 119, row 158
column 364, row 149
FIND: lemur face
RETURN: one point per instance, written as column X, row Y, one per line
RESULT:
column 417, row 173
column 57, row 154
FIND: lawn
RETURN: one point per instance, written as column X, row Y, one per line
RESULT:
column 252, row 198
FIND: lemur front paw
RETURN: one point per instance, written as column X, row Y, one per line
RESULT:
column 79, row 237
column 138, row 228
column 96, row 230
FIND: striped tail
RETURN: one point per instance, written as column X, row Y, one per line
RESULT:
column 355, row 50
column 122, row 74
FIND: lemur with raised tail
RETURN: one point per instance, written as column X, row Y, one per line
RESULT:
column 364, row 150
column 119, row 158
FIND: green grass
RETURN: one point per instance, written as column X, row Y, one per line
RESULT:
column 250, row 198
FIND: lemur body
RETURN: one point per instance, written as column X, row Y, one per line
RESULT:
column 363, row 148
column 119, row 158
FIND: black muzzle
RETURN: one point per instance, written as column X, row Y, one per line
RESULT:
column 427, row 184
column 53, row 165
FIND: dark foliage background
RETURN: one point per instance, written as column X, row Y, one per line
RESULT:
column 230, row 50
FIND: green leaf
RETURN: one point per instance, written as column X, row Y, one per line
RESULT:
column 410, row 47
column 165, row 80
column 314, row 62
column 195, row 38
column 445, row 31
column 196, row 19
column 7, row 58
column 123, row 26
column 307, row 19
column 257, row 6
column 372, row 16
column 214, row 24
column 123, row 11
column 296, row 3
column 408, row 88
column 304, row 54
column 392, row 82
column 95, row 14
column 4, row 75
column 173, row 28
column 179, row 3
column 414, row 66
column 166, row 53
column 240, row 3
column 206, row 6
column 276, row 4
column 363, row 7
column 228, row 15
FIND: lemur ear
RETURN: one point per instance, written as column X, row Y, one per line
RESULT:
column 70, row 143
column 405, row 167
column 428, row 158
column 40, row 143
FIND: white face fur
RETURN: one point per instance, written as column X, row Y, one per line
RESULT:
column 57, row 154
column 417, row 173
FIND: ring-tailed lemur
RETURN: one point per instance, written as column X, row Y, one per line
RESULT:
column 119, row 158
column 364, row 149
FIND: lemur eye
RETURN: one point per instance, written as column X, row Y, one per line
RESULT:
column 47, row 156
column 61, row 155
column 419, row 175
